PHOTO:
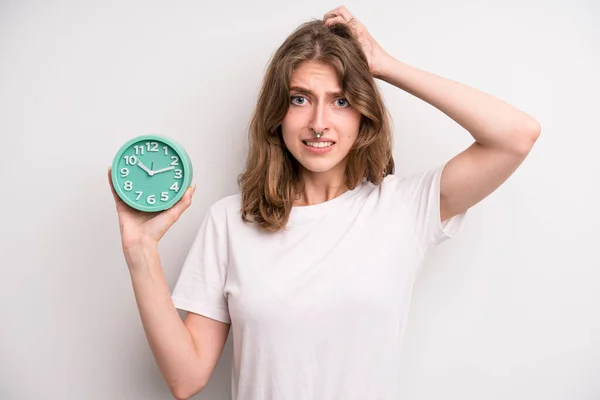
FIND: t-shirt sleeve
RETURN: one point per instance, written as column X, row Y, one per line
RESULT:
column 420, row 193
column 199, row 288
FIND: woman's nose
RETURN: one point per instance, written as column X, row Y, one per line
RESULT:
column 320, row 119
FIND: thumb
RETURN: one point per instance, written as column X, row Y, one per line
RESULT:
column 183, row 204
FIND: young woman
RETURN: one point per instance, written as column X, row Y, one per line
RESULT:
column 312, row 265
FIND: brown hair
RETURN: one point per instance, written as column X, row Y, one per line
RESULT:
column 272, row 175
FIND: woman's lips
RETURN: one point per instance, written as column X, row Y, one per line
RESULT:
column 318, row 150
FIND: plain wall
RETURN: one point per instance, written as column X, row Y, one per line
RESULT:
column 506, row 310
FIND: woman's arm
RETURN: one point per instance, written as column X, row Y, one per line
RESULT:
column 503, row 134
column 186, row 351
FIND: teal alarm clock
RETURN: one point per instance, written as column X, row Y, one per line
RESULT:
column 151, row 173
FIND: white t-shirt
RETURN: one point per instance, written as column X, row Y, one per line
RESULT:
column 318, row 311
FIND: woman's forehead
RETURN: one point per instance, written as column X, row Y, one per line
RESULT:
column 315, row 77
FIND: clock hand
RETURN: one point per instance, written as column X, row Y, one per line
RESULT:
column 142, row 166
column 164, row 169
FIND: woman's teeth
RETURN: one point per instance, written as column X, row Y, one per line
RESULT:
column 319, row 144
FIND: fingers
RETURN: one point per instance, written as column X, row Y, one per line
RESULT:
column 341, row 16
column 339, row 12
column 175, row 212
column 335, row 20
column 189, row 194
column 164, row 220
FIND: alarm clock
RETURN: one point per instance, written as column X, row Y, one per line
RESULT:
column 151, row 173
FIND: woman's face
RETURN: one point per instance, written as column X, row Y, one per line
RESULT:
column 317, row 103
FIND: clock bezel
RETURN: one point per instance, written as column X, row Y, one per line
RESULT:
column 186, row 166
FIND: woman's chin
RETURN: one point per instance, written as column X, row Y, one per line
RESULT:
column 319, row 166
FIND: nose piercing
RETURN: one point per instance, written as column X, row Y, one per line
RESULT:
column 317, row 134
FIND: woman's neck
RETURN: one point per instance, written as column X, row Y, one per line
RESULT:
column 320, row 187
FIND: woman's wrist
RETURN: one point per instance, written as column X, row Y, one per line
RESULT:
column 141, row 255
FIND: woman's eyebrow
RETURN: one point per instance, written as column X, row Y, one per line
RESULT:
column 336, row 93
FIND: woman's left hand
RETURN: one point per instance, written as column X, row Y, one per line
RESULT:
column 373, row 51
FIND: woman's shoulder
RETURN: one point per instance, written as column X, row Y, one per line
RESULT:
column 413, row 180
column 390, row 182
column 411, row 188
column 226, row 205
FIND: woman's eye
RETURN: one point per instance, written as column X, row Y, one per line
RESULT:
column 298, row 100
column 344, row 103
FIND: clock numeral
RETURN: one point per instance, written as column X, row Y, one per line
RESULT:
column 139, row 149
column 175, row 160
column 166, row 150
column 130, row 160
column 139, row 194
column 152, row 146
column 178, row 174
column 151, row 199
column 175, row 187
column 124, row 172
column 128, row 185
column 164, row 196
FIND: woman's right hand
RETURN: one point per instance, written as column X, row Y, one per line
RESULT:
column 144, row 228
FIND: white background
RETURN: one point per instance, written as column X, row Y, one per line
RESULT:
column 509, row 309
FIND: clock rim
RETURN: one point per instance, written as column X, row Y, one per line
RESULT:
column 186, row 164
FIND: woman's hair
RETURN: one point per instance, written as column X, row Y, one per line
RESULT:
column 272, row 179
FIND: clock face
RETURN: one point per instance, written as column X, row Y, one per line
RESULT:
column 151, row 174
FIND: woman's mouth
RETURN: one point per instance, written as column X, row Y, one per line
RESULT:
column 318, row 147
column 318, row 144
